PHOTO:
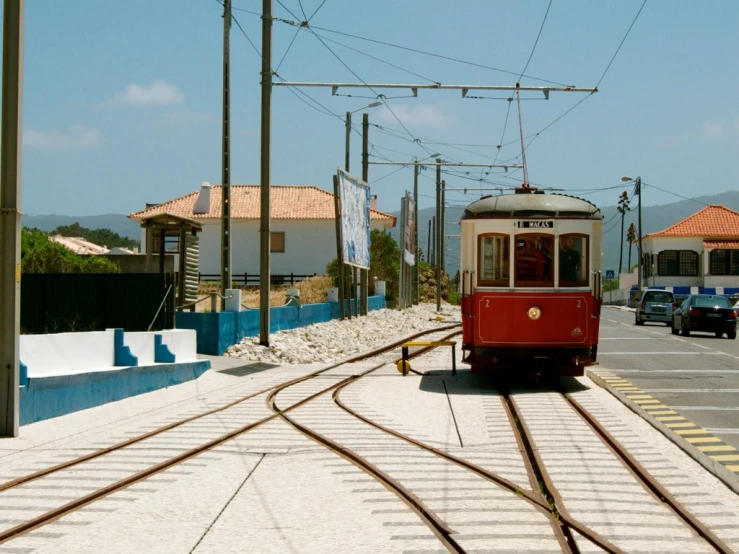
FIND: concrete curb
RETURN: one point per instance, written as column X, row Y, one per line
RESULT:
column 729, row 478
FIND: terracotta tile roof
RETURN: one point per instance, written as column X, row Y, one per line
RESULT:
column 722, row 244
column 710, row 222
column 286, row 202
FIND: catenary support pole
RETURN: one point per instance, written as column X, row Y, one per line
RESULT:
column 10, row 215
column 339, row 242
column 265, row 224
column 225, row 161
column 364, row 273
column 416, row 298
column 442, row 235
column 437, row 257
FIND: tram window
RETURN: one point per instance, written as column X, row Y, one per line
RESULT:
column 534, row 260
column 493, row 260
column 573, row 260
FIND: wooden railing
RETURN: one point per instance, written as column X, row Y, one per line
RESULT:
column 253, row 279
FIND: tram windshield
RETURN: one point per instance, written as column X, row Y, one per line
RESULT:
column 534, row 260
column 573, row 262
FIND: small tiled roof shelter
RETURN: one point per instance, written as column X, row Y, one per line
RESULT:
column 303, row 235
column 700, row 251
column 156, row 229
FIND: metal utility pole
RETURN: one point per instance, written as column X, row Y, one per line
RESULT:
column 442, row 237
column 10, row 215
column 364, row 273
column 265, row 227
column 401, row 267
column 428, row 245
column 415, row 286
column 437, row 257
column 347, row 140
column 225, row 162
column 339, row 242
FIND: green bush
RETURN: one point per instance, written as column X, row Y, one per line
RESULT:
column 40, row 255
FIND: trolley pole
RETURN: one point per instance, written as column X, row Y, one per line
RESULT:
column 265, row 224
column 364, row 273
column 442, row 237
column 225, row 162
column 10, row 215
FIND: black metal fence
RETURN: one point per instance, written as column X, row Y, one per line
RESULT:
column 69, row 302
column 253, row 279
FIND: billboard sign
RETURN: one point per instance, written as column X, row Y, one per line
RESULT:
column 355, row 220
column 409, row 241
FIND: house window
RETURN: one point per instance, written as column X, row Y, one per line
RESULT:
column 493, row 260
column 277, row 242
column 725, row 262
column 681, row 263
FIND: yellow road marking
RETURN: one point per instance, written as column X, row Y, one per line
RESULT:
column 695, row 440
column 678, row 425
column 696, row 431
column 716, row 448
column 671, row 418
column 726, row 458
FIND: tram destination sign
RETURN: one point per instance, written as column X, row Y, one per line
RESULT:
column 535, row 224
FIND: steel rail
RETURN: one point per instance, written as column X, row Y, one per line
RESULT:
column 536, row 500
column 549, row 489
column 428, row 516
column 74, row 505
column 657, row 490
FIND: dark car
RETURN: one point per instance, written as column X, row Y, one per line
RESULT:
column 705, row 312
column 656, row 305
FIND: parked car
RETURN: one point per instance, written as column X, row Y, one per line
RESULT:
column 655, row 305
column 705, row 312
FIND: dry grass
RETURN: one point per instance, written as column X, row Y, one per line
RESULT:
column 312, row 291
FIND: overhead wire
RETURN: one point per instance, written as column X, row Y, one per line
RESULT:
column 541, row 28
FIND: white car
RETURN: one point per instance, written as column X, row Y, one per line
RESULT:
column 656, row 305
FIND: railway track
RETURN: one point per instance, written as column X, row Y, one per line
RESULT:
column 475, row 497
column 245, row 414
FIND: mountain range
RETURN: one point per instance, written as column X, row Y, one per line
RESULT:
column 654, row 218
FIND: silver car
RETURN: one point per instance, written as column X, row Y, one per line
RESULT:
column 656, row 305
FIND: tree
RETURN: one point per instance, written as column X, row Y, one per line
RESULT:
column 101, row 237
column 623, row 207
column 40, row 255
column 631, row 237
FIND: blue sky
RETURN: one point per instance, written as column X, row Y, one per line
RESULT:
column 122, row 98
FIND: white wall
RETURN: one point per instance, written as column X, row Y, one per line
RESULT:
column 309, row 246
column 66, row 353
column 73, row 353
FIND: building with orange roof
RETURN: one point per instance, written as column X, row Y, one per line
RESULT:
column 303, row 229
column 699, row 252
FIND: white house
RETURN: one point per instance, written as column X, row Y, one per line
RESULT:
column 303, row 228
column 700, row 251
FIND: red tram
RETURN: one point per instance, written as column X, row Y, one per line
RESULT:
column 531, row 282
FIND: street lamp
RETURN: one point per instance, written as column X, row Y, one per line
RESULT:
column 626, row 179
column 349, row 130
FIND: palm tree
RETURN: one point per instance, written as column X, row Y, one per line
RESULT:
column 630, row 237
column 623, row 207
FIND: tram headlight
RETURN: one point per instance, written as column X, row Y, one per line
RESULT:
column 534, row 313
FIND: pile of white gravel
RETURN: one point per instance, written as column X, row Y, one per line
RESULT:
column 336, row 340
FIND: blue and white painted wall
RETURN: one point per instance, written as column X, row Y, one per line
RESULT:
column 66, row 372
